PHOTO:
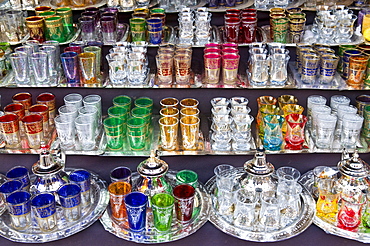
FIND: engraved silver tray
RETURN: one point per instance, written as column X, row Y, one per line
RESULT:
column 202, row 205
column 90, row 214
column 307, row 180
column 303, row 221
column 245, row 4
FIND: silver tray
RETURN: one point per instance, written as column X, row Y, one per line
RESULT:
column 9, row 81
column 100, row 144
column 245, row 4
column 172, row 8
column 303, row 221
column 148, row 83
column 151, row 4
column 2, row 204
column 289, row 84
column 152, row 143
column 24, row 148
column 99, row 84
column 307, row 180
column 202, row 205
column 90, row 214
column 51, row 3
column 292, row 4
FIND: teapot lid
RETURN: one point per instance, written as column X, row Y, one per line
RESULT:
column 354, row 166
column 47, row 164
column 152, row 167
column 258, row 165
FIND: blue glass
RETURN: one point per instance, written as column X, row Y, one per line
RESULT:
column 44, row 208
column 70, row 67
column 212, row 3
column 19, row 173
column 70, row 199
column 10, row 186
column 348, row 53
column 230, row 3
column 155, row 37
column 19, row 207
column 136, row 210
column 82, row 178
column 273, row 137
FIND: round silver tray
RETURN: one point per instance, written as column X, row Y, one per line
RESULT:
column 303, row 221
column 98, row 4
column 202, row 204
column 90, row 214
column 307, row 180
column 2, row 204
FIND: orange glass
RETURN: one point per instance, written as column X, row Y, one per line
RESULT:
column 117, row 191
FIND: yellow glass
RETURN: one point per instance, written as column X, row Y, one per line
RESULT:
column 366, row 23
column 189, row 103
column 88, row 68
column 264, row 100
column 290, row 109
column 169, row 127
column 286, row 99
column 169, row 102
column 118, row 190
column 189, row 112
column 190, row 132
column 169, row 112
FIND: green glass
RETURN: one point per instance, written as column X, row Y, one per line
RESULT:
column 47, row 13
column 54, row 29
column 122, row 101
column 118, row 112
column 187, row 177
column 114, row 129
column 366, row 126
column 157, row 10
column 137, row 125
column 138, row 29
column 162, row 205
column 67, row 18
column 137, row 140
column 144, row 102
column 365, row 220
column 97, row 51
column 280, row 30
column 144, row 113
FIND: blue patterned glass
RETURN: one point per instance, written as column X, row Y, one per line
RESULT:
column 82, row 178
column 70, row 199
column 44, row 209
column 136, row 210
column 19, row 207
column 19, row 173
column 10, row 186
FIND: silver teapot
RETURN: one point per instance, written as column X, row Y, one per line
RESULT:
column 49, row 171
column 258, row 176
column 152, row 178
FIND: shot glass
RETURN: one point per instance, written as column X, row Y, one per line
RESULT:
column 120, row 174
column 40, row 67
column 169, row 129
column 212, row 67
column 9, row 126
column 169, row 112
column 83, row 179
column 144, row 102
column 19, row 207
column 189, row 112
column 7, row 188
column 187, row 177
column 137, row 132
column 245, row 215
column 33, row 125
column 190, row 132
column 108, row 29
column 94, row 100
column 24, row 98
column 310, row 65
column 182, row 64
column 87, row 65
column 184, row 202
column 70, row 200
column 295, row 137
column 66, row 131
column 117, row 193
column 67, row 111
column 189, row 103
column 87, row 28
column 138, row 28
column 19, row 61
column 73, row 100
column 273, row 136
column 269, row 215
column 119, row 112
column 165, row 68
column 336, row 101
column 44, row 209
column 136, row 203
column 162, row 205
column 328, row 67
column 356, row 71
column 114, row 128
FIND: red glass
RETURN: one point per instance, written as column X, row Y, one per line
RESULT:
column 184, row 195
column 16, row 108
column 41, row 109
column 212, row 45
column 32, row 123
column 76, row 49
column 46, row 98
column 349, row 216
column 212, row 50
column 232, row 27
column 294, row 137
column 228, row 51
column 250, row 10
column 229, row 45
column 24, row 98
column 232, row 15
column 9, row 123
column 233, row 11
column 249, row 28
column 248, row 15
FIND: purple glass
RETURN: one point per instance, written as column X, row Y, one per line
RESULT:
column 70, row 67
column 111, row 9
column 77, row 49
column 108, row 28
column 213, row 3
column 87, row 28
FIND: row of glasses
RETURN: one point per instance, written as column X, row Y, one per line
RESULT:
column 334, row 25
column 174, row 65
column 79, row 116
column 268, row 65
column 231, row 124
column 12, row 25
column 128, row 64
column 316, row 63
column 188, row 118
column 33, row 63
column 240, row 25
column 131, row 123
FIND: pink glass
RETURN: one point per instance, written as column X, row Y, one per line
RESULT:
column 212, row 45
column 249, row 27
column 229, row 45
column 212, row 50
column 232, row 28
column 294, row 137
column 231, row 51
column 212, row 67
column 230, row 64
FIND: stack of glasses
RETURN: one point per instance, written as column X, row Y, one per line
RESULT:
column 287, row 27
column 231, row 124
column 338, row 123
column 316, row 63
column 81, row 115
column 264, row 68
column 99, row 25
column 35, row 65
column 240, row 25
column 128, row 64
column 82, row 65
column 22, row 118
column 189, row 123
column 12, row 25
column 201, row 24
column 144, row 23
column 334, row 25
column 134, row 124
column 275, row 123
column 174, row 60
column 214, row 56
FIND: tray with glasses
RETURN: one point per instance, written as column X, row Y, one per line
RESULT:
column 250, row 215
column 150, row 234
column 75, row 4
column 63, row 228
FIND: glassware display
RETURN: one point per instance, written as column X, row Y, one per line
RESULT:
column 169, row 216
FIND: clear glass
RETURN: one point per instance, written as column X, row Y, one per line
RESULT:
column 325, row 128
